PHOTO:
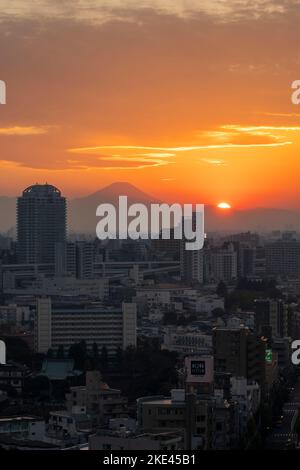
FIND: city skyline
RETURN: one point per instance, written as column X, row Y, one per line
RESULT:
column 149, row 229
column 173, row 97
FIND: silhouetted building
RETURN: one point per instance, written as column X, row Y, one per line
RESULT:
column 240, row 352
column 41, row 223
column 74, row 259
column 283, row 258
column 271, row 318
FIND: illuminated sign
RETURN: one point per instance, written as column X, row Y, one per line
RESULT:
column 198, row 368
column 269, row 355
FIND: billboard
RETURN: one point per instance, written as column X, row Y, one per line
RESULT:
column 199, row 369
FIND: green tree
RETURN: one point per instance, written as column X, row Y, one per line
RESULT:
column 104, row 359
column 95, row 351
column 60, row 352
column 119, row 358
column 37, row 387
column 50, row 353
column 78, row 352
column 222, row 289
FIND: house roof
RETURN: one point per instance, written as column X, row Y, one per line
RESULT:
column 59, row 369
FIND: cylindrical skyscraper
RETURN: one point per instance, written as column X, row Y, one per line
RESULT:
column 41, row 223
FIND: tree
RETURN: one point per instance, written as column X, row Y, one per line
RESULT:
column 18, row 350
column 78, row 352
column 217, row 312
column 104, row 358
column 95, row 351
column 60, row 352
column 119, row 358
column 148, row 370
column 50, row 353
column 222, row 289
column 38, row 386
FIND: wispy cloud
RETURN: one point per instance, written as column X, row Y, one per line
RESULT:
column 212, row 161
column 256, row 129
column 95, row 150
column 105, row 10
column 281, row 114
column 227, row 136
column 23, row 130
column 9, row 164
column 237, row 135
column 118, row 161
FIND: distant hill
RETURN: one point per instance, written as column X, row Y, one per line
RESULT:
column 7, row 213
column 82, row 212
column 259, row 219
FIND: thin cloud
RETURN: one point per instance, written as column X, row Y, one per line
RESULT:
column 120, row 162
column 93, row 150
column 23, row 130
column 281, row 114
column 255, row 129
column 100, row 11
column 9, row 164
column 130, row 161
column 212, row 161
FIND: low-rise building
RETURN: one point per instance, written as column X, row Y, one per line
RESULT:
column 193, row 415
column 23, row 427
column 99, row 400
column 184, row 341
column 69, row 428
column 12, row 376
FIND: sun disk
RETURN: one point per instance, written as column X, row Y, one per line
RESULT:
column 224, row 205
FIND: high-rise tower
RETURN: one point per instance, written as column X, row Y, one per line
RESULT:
column 41, row 223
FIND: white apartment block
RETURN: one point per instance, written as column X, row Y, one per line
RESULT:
column 186, row 342
column 65, row 324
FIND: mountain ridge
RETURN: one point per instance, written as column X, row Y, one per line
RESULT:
column 82, row 212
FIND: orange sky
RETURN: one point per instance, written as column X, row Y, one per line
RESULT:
column 190, row 101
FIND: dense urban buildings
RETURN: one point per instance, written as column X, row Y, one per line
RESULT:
column 127, row 345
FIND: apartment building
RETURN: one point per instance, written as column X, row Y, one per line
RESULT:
column 64, row 324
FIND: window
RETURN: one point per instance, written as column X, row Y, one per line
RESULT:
column 200, row 430
column 200, row 419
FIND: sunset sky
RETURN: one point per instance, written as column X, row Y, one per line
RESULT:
column 188, row 100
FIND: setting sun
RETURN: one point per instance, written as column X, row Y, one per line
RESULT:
column 224, row 205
